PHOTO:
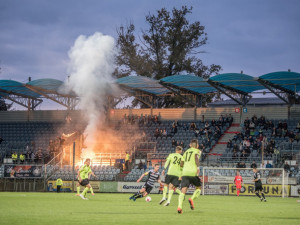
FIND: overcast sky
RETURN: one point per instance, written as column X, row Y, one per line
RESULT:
column 257, row 36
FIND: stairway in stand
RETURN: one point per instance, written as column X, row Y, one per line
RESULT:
column 220, row 147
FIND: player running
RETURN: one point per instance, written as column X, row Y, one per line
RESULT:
column 258, row 185
column 153, row 175
column 190, row 174
column 238, row 180
column 174, row 173
column 84, row 174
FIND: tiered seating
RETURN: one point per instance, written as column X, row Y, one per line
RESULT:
column 102, row 173
column 284, row 144
column 136, row 173
column 183, row 136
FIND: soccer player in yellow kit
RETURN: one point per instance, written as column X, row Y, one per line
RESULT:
column 174, row 173
column 190, row 174
column 83, row 179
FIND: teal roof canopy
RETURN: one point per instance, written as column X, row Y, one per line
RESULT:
column 144, row 84
column 189, row 82
column 238, row 81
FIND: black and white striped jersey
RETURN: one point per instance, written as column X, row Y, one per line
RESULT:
column 152, row 177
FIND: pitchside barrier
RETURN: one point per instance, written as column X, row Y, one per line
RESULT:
column 209, row 189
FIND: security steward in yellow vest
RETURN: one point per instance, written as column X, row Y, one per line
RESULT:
column 14, row 157
column 59, row 183
column 22, row 158
column 127, row 161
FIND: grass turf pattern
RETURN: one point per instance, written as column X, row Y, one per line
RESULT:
column 66, row 208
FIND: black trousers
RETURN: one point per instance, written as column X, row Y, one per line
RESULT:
column 58, row 188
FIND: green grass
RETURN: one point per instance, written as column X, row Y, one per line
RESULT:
column 66, row 208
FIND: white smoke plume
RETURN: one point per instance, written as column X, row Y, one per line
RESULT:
column 91, row 68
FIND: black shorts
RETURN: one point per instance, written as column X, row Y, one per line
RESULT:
column 258, row 186
column 186, row 181
column 148, row 188
column 171, row 179
column 84, row 182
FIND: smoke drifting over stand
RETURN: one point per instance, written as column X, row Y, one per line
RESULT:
column 91, row 67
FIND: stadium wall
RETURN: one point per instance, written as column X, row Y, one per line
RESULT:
column 238, row 113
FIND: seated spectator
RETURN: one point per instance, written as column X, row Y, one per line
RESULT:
column 238, row 165
column 164, row 133
column 182, row 144
column 206, row 125
column 213, row 123
column 192, row 126
column 287, row 167
column 243, row 155
column 229, row 144
column 269, row 165
column 297, row 137
column 22, row 158
column 174, row 129
column 253, row 165
column 242, row 165
column 14, row 157
column 235, row 155
column 235, row 148
column 174, row 143
column 156, row 133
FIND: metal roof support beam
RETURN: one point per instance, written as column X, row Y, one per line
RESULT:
column 23, row 101
column 178, row 93
column 272, row 88
column 67, row 101
column 219, row 88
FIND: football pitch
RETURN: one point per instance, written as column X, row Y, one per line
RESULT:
column 66, row 208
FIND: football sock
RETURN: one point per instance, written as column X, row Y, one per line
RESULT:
column 92, row 191
column 85, row 191
column 177, row 191
column 136, row 194
column 257, row 194
column 78, row 190
column 238, row 192
column 263, row 195
column 165, row 192
column 196, row 194
column 139, row 196
column 170, row 195
column 180, row 200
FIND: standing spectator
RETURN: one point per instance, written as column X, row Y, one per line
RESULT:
column 59, row 183
column 140, row 165
column 22, row 158
column 14, row 157
column 1, row 140
column 40, row 156
column 32, row 157
column 287, row 167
